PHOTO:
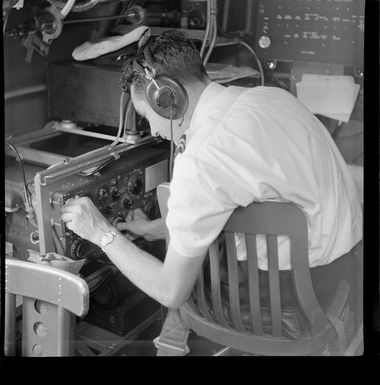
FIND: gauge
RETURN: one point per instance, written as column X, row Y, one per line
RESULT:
column 264, row 41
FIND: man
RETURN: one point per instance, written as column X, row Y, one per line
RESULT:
column 242, row 145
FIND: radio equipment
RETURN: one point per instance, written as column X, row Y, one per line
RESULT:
column 127, row 181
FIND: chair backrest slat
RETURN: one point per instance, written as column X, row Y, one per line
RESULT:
column 200, row 293
column 253, row 282
column 215, row 283
column 274, row 285
column 233, row 281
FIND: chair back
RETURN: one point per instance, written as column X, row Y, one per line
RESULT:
column 207, row 314
column 51, row 299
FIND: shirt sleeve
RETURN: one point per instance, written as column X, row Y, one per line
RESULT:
column 198, row 206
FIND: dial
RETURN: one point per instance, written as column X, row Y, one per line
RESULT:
column 150, row 209
column 126, row 201
column 115, row 194
column 102, row 193
column 135, row 184
column 264, row 41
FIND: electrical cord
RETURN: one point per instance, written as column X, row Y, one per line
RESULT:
column 207, row 32
column 250, row 49
column 27, row 193
column 121, row 120
column 214, row 35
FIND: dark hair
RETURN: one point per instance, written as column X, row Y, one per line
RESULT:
column 172, row 54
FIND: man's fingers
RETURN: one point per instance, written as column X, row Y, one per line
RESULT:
column 67, row 217
column 123, row 226
column 139, row 214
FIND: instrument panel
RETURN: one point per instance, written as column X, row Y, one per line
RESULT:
column 126, row 184
column 325, row 31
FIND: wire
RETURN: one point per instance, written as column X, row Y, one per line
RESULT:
column 121, row 120
column 207, row 33
column 250, row 49
column 213, row 39
column 27, row 193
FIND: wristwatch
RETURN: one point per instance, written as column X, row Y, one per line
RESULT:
column 107, row 238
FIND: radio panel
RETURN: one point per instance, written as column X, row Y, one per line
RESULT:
column 326, row 31
column 124, row 185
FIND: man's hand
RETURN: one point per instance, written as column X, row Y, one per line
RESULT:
column 139, row 224
column 82, row 217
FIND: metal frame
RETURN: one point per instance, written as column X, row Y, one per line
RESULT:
column 113, row 343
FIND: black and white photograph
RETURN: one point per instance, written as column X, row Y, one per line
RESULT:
column 186, row 178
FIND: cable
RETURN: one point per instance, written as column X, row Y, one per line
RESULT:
column 250, row 49
column 27, row 193
column 207, row 33
column 121, row 120
column 213, row 39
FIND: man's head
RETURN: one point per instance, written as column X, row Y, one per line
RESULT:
column 171, row 55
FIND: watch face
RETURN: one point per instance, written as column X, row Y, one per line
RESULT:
column 107, row 238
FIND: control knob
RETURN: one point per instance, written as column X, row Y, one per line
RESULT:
column 135, row 185
column 125, row 201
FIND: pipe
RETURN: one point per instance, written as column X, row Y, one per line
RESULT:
column 214, row 30
column 208, row 26
column 24, row 91
column 78, row 131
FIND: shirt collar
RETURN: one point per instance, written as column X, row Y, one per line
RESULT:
column 203, row 107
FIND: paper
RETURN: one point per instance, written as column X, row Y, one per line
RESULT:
column 223, row 73
column 332, row 96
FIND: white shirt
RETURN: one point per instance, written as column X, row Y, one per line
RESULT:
column 260, row 144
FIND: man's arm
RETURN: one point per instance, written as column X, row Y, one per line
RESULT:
column 169, row 283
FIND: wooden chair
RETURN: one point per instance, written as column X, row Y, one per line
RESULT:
column 51, row 300
column 208, row 317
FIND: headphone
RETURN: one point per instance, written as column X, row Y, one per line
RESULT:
column 167, row 96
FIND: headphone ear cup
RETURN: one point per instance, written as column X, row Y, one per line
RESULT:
column 170, row 95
